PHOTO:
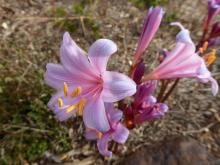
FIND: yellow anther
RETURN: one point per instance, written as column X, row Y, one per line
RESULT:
column 72, row 107
column 211, row 58
column 99, row 134
column 213, row 51
column 65, row 89
column 60, row 102
column 201, row 50
column 80, row 106
column 76, row 92
column 205, row 46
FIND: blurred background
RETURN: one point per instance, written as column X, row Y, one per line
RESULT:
column 31, row 33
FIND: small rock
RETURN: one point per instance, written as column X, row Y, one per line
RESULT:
column 172, row 151
column 5, row 25
column 207, row 114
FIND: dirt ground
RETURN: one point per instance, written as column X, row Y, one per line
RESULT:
column 31, row 33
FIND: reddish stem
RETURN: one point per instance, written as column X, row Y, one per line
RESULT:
column 170, row 90
column 162, row 89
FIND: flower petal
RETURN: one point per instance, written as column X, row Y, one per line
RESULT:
column 121, row 134
column 183, row 35
column 94, row 115
column 154, row 111
column 182, row 61
column 117, row 86
column 113, row 114
column 56, row 75
column 214, row 86
column 99, row 53
column 204, row 76
column 61, row 112
column 103, row 145
column 144, row 90
column 74, row 59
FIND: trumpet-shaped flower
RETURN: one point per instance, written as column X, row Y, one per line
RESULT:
column 151, row 25
column 183, row 62
column 83, row 84
column 117, row 131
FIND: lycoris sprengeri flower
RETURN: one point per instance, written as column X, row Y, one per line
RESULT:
column 184, row 62
column 83, row 84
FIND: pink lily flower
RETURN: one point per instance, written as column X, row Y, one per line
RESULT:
column 183, row 62
column 151, row 24
column 83, row 84
column 117, row 131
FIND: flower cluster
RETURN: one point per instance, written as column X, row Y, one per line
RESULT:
column 85, row 88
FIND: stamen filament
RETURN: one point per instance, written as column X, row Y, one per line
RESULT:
column 65, row 89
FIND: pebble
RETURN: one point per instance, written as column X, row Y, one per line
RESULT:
column 172, row 151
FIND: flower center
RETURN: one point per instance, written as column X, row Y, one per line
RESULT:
column 79, row 106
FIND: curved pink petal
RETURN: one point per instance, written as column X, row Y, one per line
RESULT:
column 114, row 115
column 56, row 75
column 185, row 68
column 74, row 59
column 205, row 76
column 121, row 134
column 181, row 62
column 179, row 53
column 103, row 145
column 183, row 35
column 94, row 115
column 214, row 86
column 99, row 53
column 117, row 86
